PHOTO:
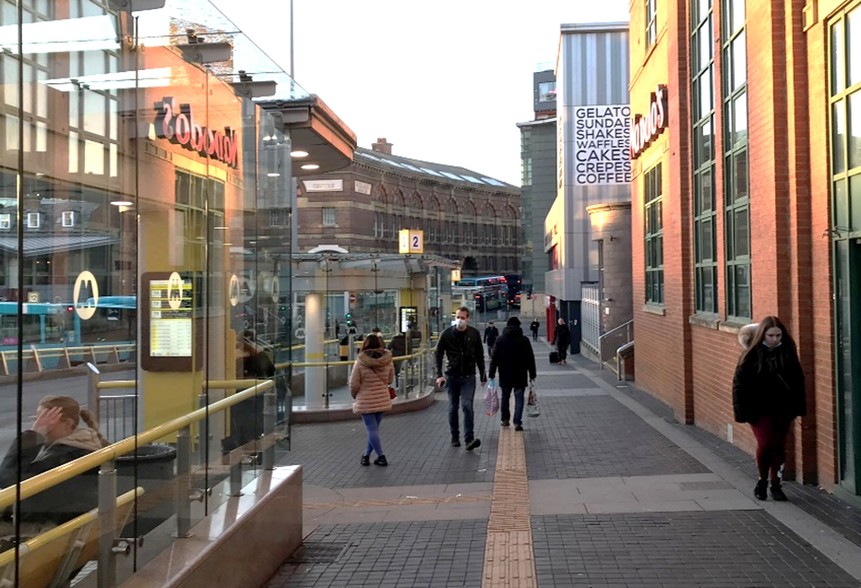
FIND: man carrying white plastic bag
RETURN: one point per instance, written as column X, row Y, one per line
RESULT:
column 513, row 355
column 491, row 398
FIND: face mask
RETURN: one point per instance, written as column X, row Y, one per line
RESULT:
column 460, row 324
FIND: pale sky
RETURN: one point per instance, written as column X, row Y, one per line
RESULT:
column 443, row 81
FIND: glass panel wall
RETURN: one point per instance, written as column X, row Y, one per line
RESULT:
column 141, row 276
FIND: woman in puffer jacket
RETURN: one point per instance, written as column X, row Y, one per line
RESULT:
column 369, row 384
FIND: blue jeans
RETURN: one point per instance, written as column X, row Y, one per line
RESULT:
column 518, row 404
column 461, row 391
column 372, row 424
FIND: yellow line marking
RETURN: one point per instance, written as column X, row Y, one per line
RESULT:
column 397, row 502
column 509, row 561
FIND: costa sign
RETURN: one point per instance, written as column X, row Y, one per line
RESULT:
column 175, row 122
column 645, row 129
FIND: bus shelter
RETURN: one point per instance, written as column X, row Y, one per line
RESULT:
column 337, row 294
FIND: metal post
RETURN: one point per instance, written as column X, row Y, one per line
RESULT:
column 236, row 472
column 203, row 437
column 93, row 377
column 269, row 414
column 107, row 572
column 183, row 485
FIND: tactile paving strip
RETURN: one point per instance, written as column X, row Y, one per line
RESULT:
column 508, row 556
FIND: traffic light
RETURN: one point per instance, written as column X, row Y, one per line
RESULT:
column 349, row 319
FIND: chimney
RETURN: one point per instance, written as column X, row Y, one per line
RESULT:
column 382, row 146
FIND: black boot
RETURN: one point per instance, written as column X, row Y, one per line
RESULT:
column 761, row 490
column 777, row 492
column 366, row 460
column 381, row 461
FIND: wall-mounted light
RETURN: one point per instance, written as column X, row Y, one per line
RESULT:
column 298, row 154
column 122, row 203
column 310, row 166
column 273, row 175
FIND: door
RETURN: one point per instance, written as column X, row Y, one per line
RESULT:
column 847, row 261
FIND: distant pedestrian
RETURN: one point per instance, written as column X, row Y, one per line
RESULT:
column 768, row 392
column 461, row 345
column 491, row 334
column 398, row 347
column 534, row 328
column 369, row 385
column 562, row 339
column 513, row 355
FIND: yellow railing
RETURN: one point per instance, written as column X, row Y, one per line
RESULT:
column 42, row 482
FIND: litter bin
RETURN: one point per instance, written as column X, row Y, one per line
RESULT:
column 155, row 469
column 344, row 348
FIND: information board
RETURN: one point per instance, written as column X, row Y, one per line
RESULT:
column 602, row 145
column 168, row 339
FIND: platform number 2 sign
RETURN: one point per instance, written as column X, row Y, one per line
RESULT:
column 411, row 241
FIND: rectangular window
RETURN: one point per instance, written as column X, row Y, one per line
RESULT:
column 547, row 91
column 651, row 22
column 328, row 217
column 274, row 217
column 68, row 218
column 5, row 221
column 33, row 220
column 703, row 149
column 735, row 148
column 654, row 235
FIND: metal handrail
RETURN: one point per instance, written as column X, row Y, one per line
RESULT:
column 619, row 328
column 49, row 479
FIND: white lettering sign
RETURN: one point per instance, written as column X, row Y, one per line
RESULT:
column 646, row 128
column 323, row 185
column 363, row 188
column 602, row 145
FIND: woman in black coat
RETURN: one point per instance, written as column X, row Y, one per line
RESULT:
column 513, row 357
column 768, row 392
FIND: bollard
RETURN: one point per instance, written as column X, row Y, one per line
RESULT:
column 107, row 571
column 183, row 483
column 269, row 414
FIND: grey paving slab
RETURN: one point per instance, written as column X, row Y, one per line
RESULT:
column 597, row 437
column 444, row 554
column 417, row 445
column 690, row 549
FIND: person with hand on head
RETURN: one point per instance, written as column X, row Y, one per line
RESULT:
column 56, row 438
column 515, row 360
column 369, row 385
column 768, row 392
column 461, row 345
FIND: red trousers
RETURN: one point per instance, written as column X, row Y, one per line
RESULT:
column 770, row 433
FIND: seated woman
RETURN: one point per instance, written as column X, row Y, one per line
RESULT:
column 56, row 438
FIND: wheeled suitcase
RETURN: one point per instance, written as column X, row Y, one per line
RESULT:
column 554, row 357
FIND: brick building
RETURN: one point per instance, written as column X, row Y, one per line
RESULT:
column 464, row 215
column 747, row 202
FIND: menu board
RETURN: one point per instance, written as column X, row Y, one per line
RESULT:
column 170, row 317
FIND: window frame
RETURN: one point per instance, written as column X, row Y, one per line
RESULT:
column 653, row 235
column 703, row 161
column 739, row 299
column 329, row 216
column 651, row 11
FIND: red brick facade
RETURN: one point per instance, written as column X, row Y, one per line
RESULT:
column 688, row 359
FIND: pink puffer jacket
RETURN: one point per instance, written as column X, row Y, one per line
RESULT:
column 372, row 374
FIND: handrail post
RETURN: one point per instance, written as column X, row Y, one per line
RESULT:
column 107, row 572
column 183, row 485
column 203, row 436
column 235, row 460
column 269, row 410
column 93, row 377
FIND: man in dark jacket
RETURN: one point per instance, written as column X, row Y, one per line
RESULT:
column 534, row 328
column 515, row 360
column 398, row 347
column 562, row 338
column 491, row 334
column 461, row 345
